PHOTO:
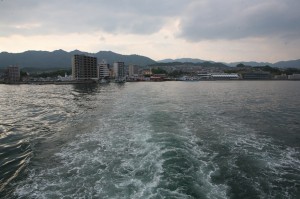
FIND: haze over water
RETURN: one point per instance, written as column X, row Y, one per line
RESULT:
column 222, row 139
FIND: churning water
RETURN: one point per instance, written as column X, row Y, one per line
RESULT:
column 223, row 139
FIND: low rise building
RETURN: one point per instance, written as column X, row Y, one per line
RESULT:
column 204, row 76
column 294, row 77
column 281, row 77
column 64, row 78
column 218, row 76
column 225, row 76
column 257, row 75
column 158, row 77
column 147, row 72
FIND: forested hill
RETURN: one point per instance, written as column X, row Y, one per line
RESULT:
column 62, row 59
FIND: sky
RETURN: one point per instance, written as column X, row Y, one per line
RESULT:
column 217, row 30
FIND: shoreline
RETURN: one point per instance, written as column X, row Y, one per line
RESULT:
column 94, row 82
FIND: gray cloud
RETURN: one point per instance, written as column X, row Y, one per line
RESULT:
column 62, row 16
column 199, row 19
column 235, row 19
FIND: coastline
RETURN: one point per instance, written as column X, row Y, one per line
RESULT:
column 94, row 82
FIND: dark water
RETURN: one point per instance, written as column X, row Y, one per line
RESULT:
column 232, row 139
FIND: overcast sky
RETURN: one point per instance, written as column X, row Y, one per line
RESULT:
column 218, row 30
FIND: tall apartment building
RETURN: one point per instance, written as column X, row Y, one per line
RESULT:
column 103, row 70
column 13, row 74
column 84, row 67
column 133, row 70
column 119, row 71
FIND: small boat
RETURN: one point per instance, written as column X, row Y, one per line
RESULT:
column 120, row 80
column 103, row 81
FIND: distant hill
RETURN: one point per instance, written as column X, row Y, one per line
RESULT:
column 60, row 59
column 45, row 60
column 185, row 64
column 111, row 57
column 183, row 60
column 249, row 63
column 281, row 64
column 287, row 64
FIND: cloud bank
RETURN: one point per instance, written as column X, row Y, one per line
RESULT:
column 175, row 26
column 198, row 20
column 235, row 19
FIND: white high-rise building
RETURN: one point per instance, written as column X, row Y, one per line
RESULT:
column 119, row 71
column 103, row 70
column 133, row 70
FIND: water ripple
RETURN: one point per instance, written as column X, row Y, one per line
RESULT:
column 150, row 140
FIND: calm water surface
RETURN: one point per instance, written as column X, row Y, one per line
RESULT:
column 231, row 139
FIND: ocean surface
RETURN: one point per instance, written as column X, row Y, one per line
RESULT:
column 207, row 139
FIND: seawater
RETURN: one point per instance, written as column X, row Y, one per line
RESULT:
column 218, row 139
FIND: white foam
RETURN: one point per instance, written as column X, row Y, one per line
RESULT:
column 124, row 157
column 272, row 160
column 109, row 160
column 104, row 152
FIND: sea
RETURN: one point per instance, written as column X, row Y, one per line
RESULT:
column 185, row 140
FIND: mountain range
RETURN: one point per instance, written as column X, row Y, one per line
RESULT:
column 60, row 59
column 280, row 64
column 186, row 60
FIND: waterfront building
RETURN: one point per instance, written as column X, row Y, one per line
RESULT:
column 64, row 78
column 84, row 67
column 281, row 77
column 13, row 74
column 158, row 77
column 2, row 76
column 257, row 75
column 119, row 71
column 294, row 77
column 147, row 72
column 111, row 72
column 133, row 73
column 103, row 70
column 133, row 70
column 204, row 76
column 225, row 76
